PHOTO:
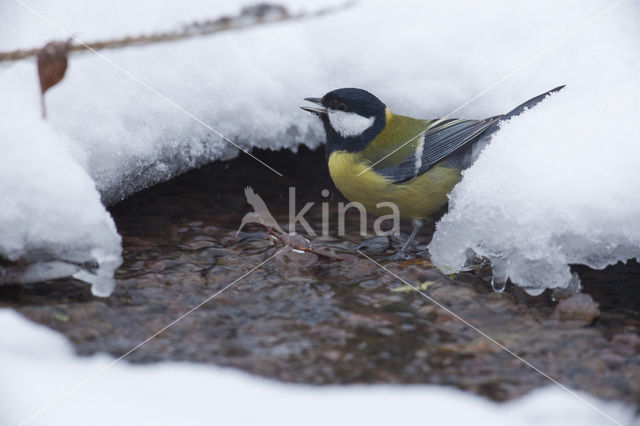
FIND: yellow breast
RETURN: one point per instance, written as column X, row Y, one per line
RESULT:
column 416, row 199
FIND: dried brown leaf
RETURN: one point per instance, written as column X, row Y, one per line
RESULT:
column 52, row 65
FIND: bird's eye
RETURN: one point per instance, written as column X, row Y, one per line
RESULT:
column 340, row 106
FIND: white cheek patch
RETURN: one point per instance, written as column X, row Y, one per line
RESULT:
column 349, row 123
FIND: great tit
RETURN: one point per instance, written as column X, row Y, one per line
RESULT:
column 375, row 155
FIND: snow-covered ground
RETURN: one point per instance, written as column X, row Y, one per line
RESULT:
column 37, row 366
column 558, row 186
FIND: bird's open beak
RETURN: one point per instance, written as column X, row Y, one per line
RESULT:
column 316, row 111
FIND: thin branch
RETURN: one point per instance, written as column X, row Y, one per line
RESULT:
column 249, row 17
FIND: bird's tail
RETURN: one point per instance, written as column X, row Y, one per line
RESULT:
column 519, row 109
column 530, row 103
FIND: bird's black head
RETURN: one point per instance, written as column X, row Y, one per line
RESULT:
column 352, row 118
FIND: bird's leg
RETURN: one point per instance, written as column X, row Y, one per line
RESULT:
column 417, row 224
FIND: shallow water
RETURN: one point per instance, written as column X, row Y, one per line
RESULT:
column 305, row 318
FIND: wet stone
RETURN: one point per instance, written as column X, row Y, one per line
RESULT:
column 579, row 307
column 302, row 318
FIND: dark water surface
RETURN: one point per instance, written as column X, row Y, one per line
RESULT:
column 303, row 318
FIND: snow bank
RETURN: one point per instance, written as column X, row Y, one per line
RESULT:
column 249, row 84
column 124, row 131
column 52, row 222
column 559, row 184
column 422, row 58
column 37, row 365
column 105, row 130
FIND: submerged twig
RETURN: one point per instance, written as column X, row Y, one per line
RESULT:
column 288, row 241
column 251, row 16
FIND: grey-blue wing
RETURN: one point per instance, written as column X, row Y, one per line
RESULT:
column 441, row 140
column 455, row 141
